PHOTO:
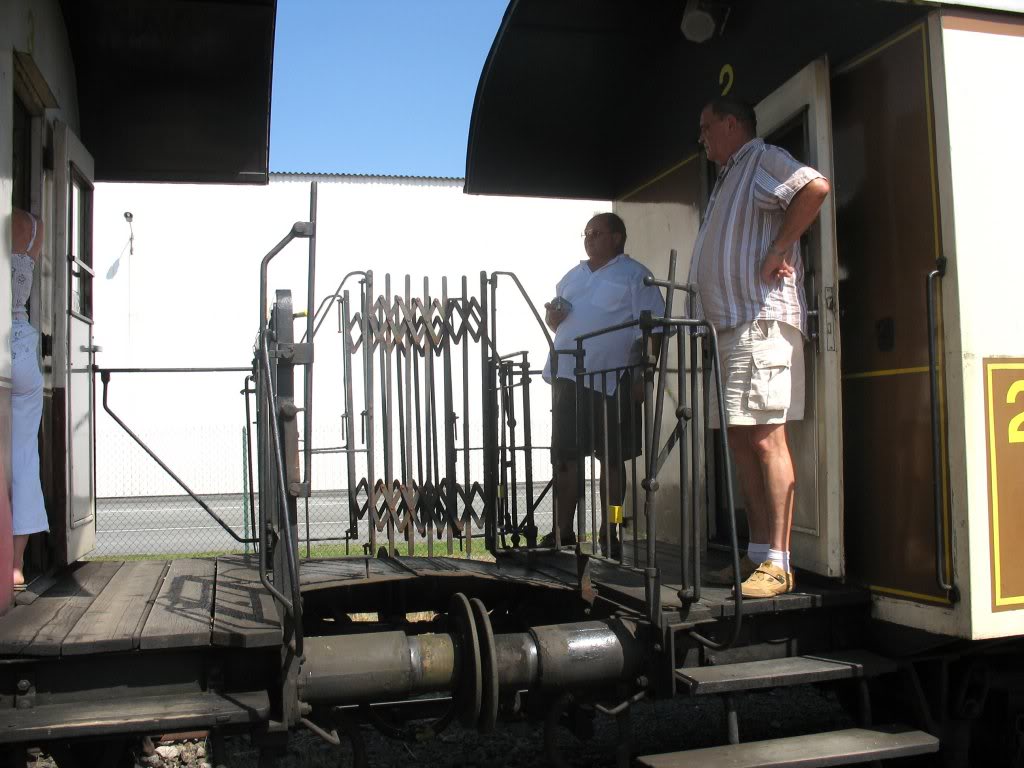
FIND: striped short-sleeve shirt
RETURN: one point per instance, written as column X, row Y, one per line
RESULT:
column 743, row 216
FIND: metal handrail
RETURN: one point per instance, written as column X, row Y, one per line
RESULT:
column 733, row 541
column 293, row 605
column 105, row 379
column 249, row 388
column 945, row 582
column 328, row 301
column 307, row 370
column 536, row 315
column 654, row 403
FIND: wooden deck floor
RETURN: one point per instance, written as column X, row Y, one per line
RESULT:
column 97, row 607
column 810, row 592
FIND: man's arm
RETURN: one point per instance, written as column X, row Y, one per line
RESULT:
column 800, row 214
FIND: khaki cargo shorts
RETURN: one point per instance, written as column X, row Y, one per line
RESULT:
column 762, row 374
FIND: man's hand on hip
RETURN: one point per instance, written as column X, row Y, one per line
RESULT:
column 776, row 266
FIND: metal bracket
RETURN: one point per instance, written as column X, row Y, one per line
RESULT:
column 296, row 353
column 26, row 696
column 830, row 318
column 288, row 409
column 299, row 490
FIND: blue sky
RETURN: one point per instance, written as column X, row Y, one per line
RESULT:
column 377, row 86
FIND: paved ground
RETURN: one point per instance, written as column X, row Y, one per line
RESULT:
column 152, row 525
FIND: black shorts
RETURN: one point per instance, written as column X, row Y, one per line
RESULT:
column 625, row 423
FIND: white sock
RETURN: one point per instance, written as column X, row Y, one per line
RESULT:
column 757, row 553
column 777, row 558
column 785, row 558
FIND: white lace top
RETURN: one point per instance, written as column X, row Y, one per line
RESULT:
column 22, row 267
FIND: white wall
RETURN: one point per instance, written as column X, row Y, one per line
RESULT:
column 189, row 296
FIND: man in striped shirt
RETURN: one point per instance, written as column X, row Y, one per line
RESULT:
column 747, row 265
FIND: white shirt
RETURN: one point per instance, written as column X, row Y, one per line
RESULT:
column 613, row 294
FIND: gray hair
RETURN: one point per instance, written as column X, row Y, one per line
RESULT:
column 741, row 110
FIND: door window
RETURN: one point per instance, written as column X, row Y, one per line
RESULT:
column 80, row 244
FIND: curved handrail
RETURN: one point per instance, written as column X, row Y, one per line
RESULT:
column 536, row 315
column 321, row 311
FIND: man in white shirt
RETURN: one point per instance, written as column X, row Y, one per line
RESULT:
column 604, row 290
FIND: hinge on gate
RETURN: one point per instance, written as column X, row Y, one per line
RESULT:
column 288, row 409
column 299, row 490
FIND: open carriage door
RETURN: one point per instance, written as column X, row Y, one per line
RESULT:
column 797, row 117
column 73, row 348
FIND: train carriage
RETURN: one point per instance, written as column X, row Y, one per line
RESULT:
column 908, row 464
column 909, row 496
column 89, row 94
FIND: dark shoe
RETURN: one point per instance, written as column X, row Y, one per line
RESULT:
column 568, row 540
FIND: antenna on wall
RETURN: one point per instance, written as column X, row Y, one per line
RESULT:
column 131, row 233
column 129, row 246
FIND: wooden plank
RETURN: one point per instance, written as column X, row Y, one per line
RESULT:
column 854, row 745
column 316, row 574
column 119, row 715
column 182, row 614
column 530, row 572
column 39, row 629
column 244, row 613
column 114, row 620
column 385, row 569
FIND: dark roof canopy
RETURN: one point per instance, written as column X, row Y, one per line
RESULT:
column 587, row 99
column 174, row 90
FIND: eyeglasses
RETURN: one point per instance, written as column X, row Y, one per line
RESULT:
column 593, row 233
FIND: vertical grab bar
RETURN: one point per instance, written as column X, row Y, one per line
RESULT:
column 307, row 371
column 944, row 581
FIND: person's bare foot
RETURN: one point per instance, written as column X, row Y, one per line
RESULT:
column 19, row 577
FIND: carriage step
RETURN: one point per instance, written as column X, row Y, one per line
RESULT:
column 774, row 673
column 854, row 745
column 167, row 713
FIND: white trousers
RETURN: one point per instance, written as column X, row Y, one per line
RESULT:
column 27, row 504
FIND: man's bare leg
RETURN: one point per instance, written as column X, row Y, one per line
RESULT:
column 751, row 481
column 772, row 450
column 567, row 493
